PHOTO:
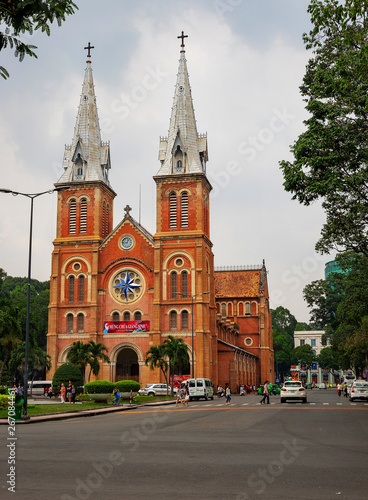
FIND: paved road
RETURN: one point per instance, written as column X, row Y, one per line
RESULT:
column 207, row 451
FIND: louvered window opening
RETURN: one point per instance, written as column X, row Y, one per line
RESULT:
column 69, row 323
column 71, row 288
column 127, row 316
column 103, row 219
column 115, row 316
column 174, row 285
column 80, row 322
column 81, row 282
column 83, row 216
column 138, row 316
column 184, row 284
column 173, row 211
column 184, row 320
column 184, row 210
column 72, row 216
column 173, row 320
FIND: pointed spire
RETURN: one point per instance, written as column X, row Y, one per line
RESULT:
column 87, row 158
column 183, row 151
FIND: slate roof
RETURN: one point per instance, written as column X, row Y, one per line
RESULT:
column 231, row 284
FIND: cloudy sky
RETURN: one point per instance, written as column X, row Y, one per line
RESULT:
column 246, row 61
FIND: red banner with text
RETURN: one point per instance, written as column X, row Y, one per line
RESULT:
column 126, row 326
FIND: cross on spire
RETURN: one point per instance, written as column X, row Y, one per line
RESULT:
column 182, row 36
column 89, row 47
column 127, row 210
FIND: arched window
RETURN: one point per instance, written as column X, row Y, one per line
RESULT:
column 138, row 316
column 83, row 215
column 72, row 216
column 241, row 309
column 184, row 320
column 81, row 282
column 80, row 322
column 174, row 284
column 127, row 316
column 71, row 288
column 230, row 309
column 172, row 210
column 184, row 209
column 184, row 284
column 247, row 308
column 173, row 320
column 69, row 323
column 223, row 310
column 115, row 316
column 103, row 218
column 107, row 221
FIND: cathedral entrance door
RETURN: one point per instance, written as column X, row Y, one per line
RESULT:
column 127, row 367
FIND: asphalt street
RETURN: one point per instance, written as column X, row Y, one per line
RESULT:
column 205, row 451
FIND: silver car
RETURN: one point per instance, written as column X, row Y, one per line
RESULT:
column 359, row 390
column 155, row 390
column 293, row 389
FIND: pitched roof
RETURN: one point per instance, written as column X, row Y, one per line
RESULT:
column 245, row 283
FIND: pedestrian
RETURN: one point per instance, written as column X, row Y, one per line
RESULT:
column 339, row 389
column 228, row 394
column 62, row 393
column 345, row 390
column 265, row 394
column 186, row 392
column 116, row 396
column 73, row 394
column 179, row 396
column 241, row 390
column 69, row 391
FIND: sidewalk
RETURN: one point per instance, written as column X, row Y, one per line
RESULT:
column 83, row 413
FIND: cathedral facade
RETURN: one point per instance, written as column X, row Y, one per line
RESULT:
column 130, row 289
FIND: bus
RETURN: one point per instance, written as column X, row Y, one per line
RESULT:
column 39, row 387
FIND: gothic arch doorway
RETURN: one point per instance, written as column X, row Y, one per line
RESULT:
column 127, row 366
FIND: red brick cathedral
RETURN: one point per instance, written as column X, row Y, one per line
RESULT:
column 129, row 289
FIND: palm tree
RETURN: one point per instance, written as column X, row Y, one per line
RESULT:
column 10, row 331
column 79, row 355
column 177, row 352
column 155, row 358
column 96, row 351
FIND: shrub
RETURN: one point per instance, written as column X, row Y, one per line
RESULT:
column 4, row 401
column 99, row 387
column 127, row 386
column 66, row 372
column 3, row 390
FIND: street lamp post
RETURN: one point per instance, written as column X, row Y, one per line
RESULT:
column 31, row 196
column 192, row 299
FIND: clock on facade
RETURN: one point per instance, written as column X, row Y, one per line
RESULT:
column 126, row 242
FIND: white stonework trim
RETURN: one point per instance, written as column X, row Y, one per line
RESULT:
column 191, row 273
column 88, row 277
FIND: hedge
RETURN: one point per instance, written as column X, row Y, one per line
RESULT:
column 66, row 372
column 99, row 387
column 127, row 386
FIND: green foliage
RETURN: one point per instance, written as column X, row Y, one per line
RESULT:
column 303, row 355
column 86, row 354
column 330, row 157
column 327, row 360
column 63, row 374
column 4, row 398
column 127, row 386
column 99, row 387
column 156, row 358
column 26, row 16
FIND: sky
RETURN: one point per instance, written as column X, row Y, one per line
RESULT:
column 246, row 61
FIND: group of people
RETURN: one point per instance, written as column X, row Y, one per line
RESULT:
column 182, row 394
column 224, row 392
column 340, row 388
column 67, row 392
column 246, row 389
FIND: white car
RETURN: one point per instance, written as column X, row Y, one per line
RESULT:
column 359, row 390
column 293, row 389
column 155, row 390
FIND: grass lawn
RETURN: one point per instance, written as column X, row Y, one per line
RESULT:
column 44, row 409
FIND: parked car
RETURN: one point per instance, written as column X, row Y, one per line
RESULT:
column 155, row 390
column 293, row 389
column 359, row 390
column 322, row 386
column 200, row 388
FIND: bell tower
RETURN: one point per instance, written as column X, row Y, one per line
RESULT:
column 184, row 273
column 84, row 220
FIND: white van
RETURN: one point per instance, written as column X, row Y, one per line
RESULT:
column 39, row 387
column 200, row 388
